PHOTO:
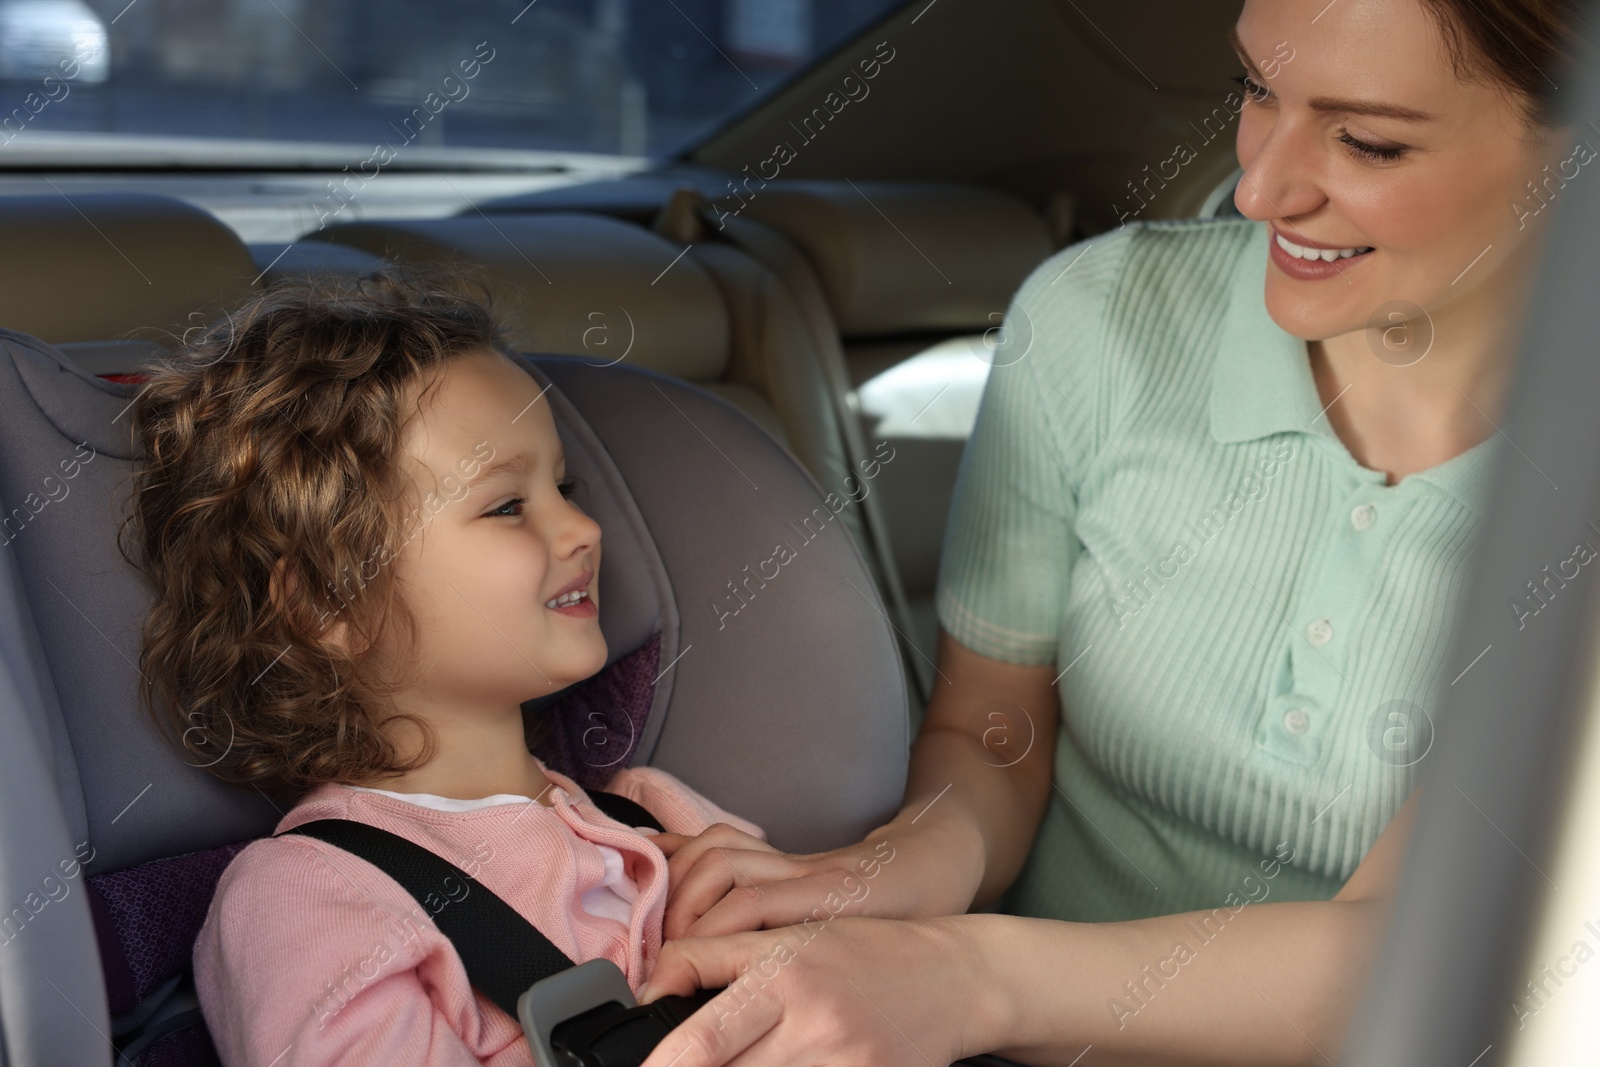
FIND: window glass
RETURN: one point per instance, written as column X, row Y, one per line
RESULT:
column 629, row 77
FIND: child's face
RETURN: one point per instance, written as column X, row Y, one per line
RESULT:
column 495, row 547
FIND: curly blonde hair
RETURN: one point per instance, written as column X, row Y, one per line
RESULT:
column 269, row 496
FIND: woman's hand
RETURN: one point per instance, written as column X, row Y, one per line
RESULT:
column 971, row 810
column 724, row 881
column 843, row 991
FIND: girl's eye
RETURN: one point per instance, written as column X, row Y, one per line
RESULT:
column 1253, row 89
column 499, row 512
column 1372, row 152
column 567, row 487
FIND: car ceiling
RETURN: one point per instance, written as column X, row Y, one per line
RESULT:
column 1033, row 96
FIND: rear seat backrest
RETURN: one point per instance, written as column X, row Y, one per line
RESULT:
column 778, row 311
column 582, row 285
column 901, row 257
column 299, row 259
column 908, row 268
column 106, row 275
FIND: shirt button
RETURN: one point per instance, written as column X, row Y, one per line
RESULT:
column 1363, row 516
column 1320, row 632
column 1296, row 721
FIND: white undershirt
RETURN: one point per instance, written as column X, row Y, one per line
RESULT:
column 612, row 898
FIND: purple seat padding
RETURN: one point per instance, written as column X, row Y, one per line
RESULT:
column 154, row 911
column 595, row 725
column 147, row 917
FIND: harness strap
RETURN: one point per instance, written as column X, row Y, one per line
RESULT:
column 503, row 953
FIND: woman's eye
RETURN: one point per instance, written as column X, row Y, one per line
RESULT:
column 1253, row 89
column 1373, row 152
column 567, row 487
column 500, row 512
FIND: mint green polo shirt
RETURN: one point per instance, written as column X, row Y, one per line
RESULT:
column 1251, row 629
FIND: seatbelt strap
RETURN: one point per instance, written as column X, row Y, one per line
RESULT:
column 503, row 953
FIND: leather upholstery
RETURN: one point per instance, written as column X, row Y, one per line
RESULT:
column 109, row 266
column 899, row 257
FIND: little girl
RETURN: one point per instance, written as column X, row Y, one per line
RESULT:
column 355, row 513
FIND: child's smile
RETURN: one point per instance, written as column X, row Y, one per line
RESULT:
column 574, row 599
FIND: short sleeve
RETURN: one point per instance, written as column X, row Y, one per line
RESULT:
column 1010, row 542
column 679, row 808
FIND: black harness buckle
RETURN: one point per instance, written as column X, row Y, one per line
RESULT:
column 585, row 1016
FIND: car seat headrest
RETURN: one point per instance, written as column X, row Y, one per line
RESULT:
column 581, row 285
column 311, row 258
column 898, row 257
column 66, row 453
column 107, row 266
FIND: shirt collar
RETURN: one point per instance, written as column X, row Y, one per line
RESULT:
column 1261, row 384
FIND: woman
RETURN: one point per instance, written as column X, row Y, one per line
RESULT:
column 1223, row 503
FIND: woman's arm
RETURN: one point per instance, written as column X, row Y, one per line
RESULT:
column 979, row 780
column 1274, row 983
column 984, row 761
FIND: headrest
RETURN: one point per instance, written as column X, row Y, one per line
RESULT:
column 897, row 257
column 573, row 284
column 636, row 197
column 66, row 453
column 100, row 266
column 311, row 258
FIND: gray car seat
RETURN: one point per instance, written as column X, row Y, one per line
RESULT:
column 776, row 693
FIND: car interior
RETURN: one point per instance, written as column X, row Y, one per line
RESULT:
column 764, row 273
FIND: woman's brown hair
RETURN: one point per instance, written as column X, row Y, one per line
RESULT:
column 269, row 495
column 1522, row 46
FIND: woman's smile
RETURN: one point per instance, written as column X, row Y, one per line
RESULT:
column 1311, row 262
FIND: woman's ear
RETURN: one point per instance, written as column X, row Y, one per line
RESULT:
column 283, row 586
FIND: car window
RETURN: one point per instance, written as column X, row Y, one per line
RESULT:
column 601, row 76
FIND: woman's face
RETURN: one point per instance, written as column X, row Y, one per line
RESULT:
column 496, row 544
column 1364, row 139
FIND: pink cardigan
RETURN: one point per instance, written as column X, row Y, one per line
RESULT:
column 310, row 956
